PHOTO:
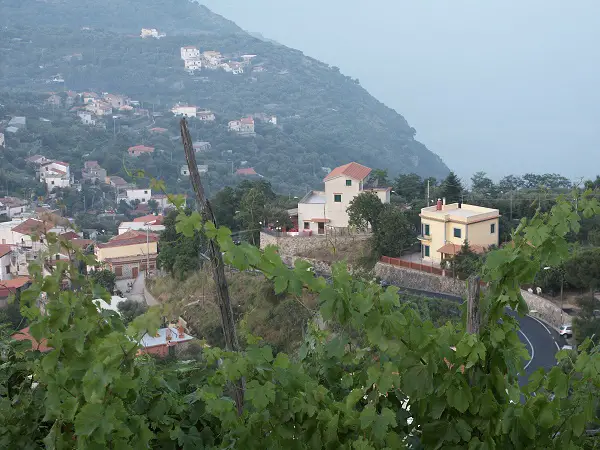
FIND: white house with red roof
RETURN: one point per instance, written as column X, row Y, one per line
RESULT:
column 189, row 52
column 138, row 150
column 55, row 174
column 243, row 127
column 319, row 210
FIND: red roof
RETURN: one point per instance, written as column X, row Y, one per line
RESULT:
column 5, row 249
column 156, row 220
column 31, row 226
column 61, row 163
column 24, row 335
column 350, row 170
column 70, row 235
column 247, row 120
column 246, row 171
column 158, row 130
column 8, row 287
column 91, row 164
column 82, row 243
column 130, row 237
column 140, row 148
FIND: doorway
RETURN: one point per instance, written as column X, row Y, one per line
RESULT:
column 321, row 229
column 134, row 272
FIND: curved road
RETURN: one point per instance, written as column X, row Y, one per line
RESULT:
column 542, row 341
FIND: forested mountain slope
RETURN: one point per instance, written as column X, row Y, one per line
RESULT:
column 324, row 118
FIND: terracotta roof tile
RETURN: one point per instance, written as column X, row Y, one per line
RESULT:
column 23, row 335
column 246, row 171
column 351, row 170
column 453, row 249
column 130, row 237
column 5, row 249
column 32, row 226
column 157, row 220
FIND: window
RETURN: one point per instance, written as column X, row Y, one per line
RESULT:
column 145, row 192
column 307, row 225
column 493, row 228
column 457, row 233
column 426, row 230
column 426, row 250
column 119, row 271
column 57, row 257
column 348, row 182
column 8, row 269
column 337, row 198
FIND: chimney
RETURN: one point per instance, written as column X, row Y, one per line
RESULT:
column 438, row 206
column 180, row 331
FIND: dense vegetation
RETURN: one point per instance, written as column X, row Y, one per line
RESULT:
column 326, row 119
column 370, row 373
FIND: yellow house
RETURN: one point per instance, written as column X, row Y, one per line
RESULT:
column 327, row 209
column 445, row 228
column 129, row 254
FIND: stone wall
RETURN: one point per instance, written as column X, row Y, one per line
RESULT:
column 413, row 279
column 294, row 245
column 320, row 267
column 545, row 310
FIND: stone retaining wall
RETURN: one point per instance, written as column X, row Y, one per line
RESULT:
column 413, row 279
column 545, row 310
column 321, row 267
column 294, row 245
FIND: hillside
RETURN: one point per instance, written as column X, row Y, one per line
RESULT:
column 324, row 118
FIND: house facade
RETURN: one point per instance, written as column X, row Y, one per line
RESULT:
column 2, row 141
column 445, row 228
column 55, row 174
column 129, row 254
column 319, row 210
column 93, row 172
column 184, row 110
column 7, row 262
column 185, row 171
column 192, row 65
column 13, row 206
column 189, row 52
column 86, row 117
column 131, row 195
column 138, row 150
column 243, row 127
column 206, row 115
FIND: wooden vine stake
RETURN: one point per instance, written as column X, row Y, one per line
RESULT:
column 473, row 313
column 216, row 259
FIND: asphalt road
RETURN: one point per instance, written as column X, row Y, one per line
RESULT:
column 542, row 341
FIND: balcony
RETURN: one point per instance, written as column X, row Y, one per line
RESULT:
column 424, row 237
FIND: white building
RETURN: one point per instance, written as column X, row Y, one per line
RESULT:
column 212, row 59
column 191, row 65
column 202, row 168
column 244, row 126
column 151, row 33
column 2, row 142
column 86, row 117
column 18, row 122
column 55, row 174
column 205, row 115
column 7, row 262
column 189, row 52
column 140, row 226
column 12, row 206
column 184, row 110
column 318, row 210
column 131, row 195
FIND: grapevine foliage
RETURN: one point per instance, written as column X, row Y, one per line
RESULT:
column 370, row 373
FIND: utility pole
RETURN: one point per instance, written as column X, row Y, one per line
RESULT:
column 511, row 206
column 216, row 260
column 473, row 313
column 427, row 192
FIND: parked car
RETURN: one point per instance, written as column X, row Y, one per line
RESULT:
column 567, row 347
column 566, row 330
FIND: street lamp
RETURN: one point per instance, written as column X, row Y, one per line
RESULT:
column 562, row 283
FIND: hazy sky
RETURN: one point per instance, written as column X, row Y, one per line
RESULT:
column 504, row 86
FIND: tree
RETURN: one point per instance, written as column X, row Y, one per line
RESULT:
column 225, row 205
column 466, row 262
column 378, row 178
column 153, row 206
column 481, row 184
column 452, row 188
column 409, row 186
column 252, row 213
column 511, row 183
column 104, row 278
column 179, row 255
column 364, row 211
column 394, row 233
column 582, row 271
column 130, row 309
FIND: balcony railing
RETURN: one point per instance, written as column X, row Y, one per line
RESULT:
column 424, row 237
